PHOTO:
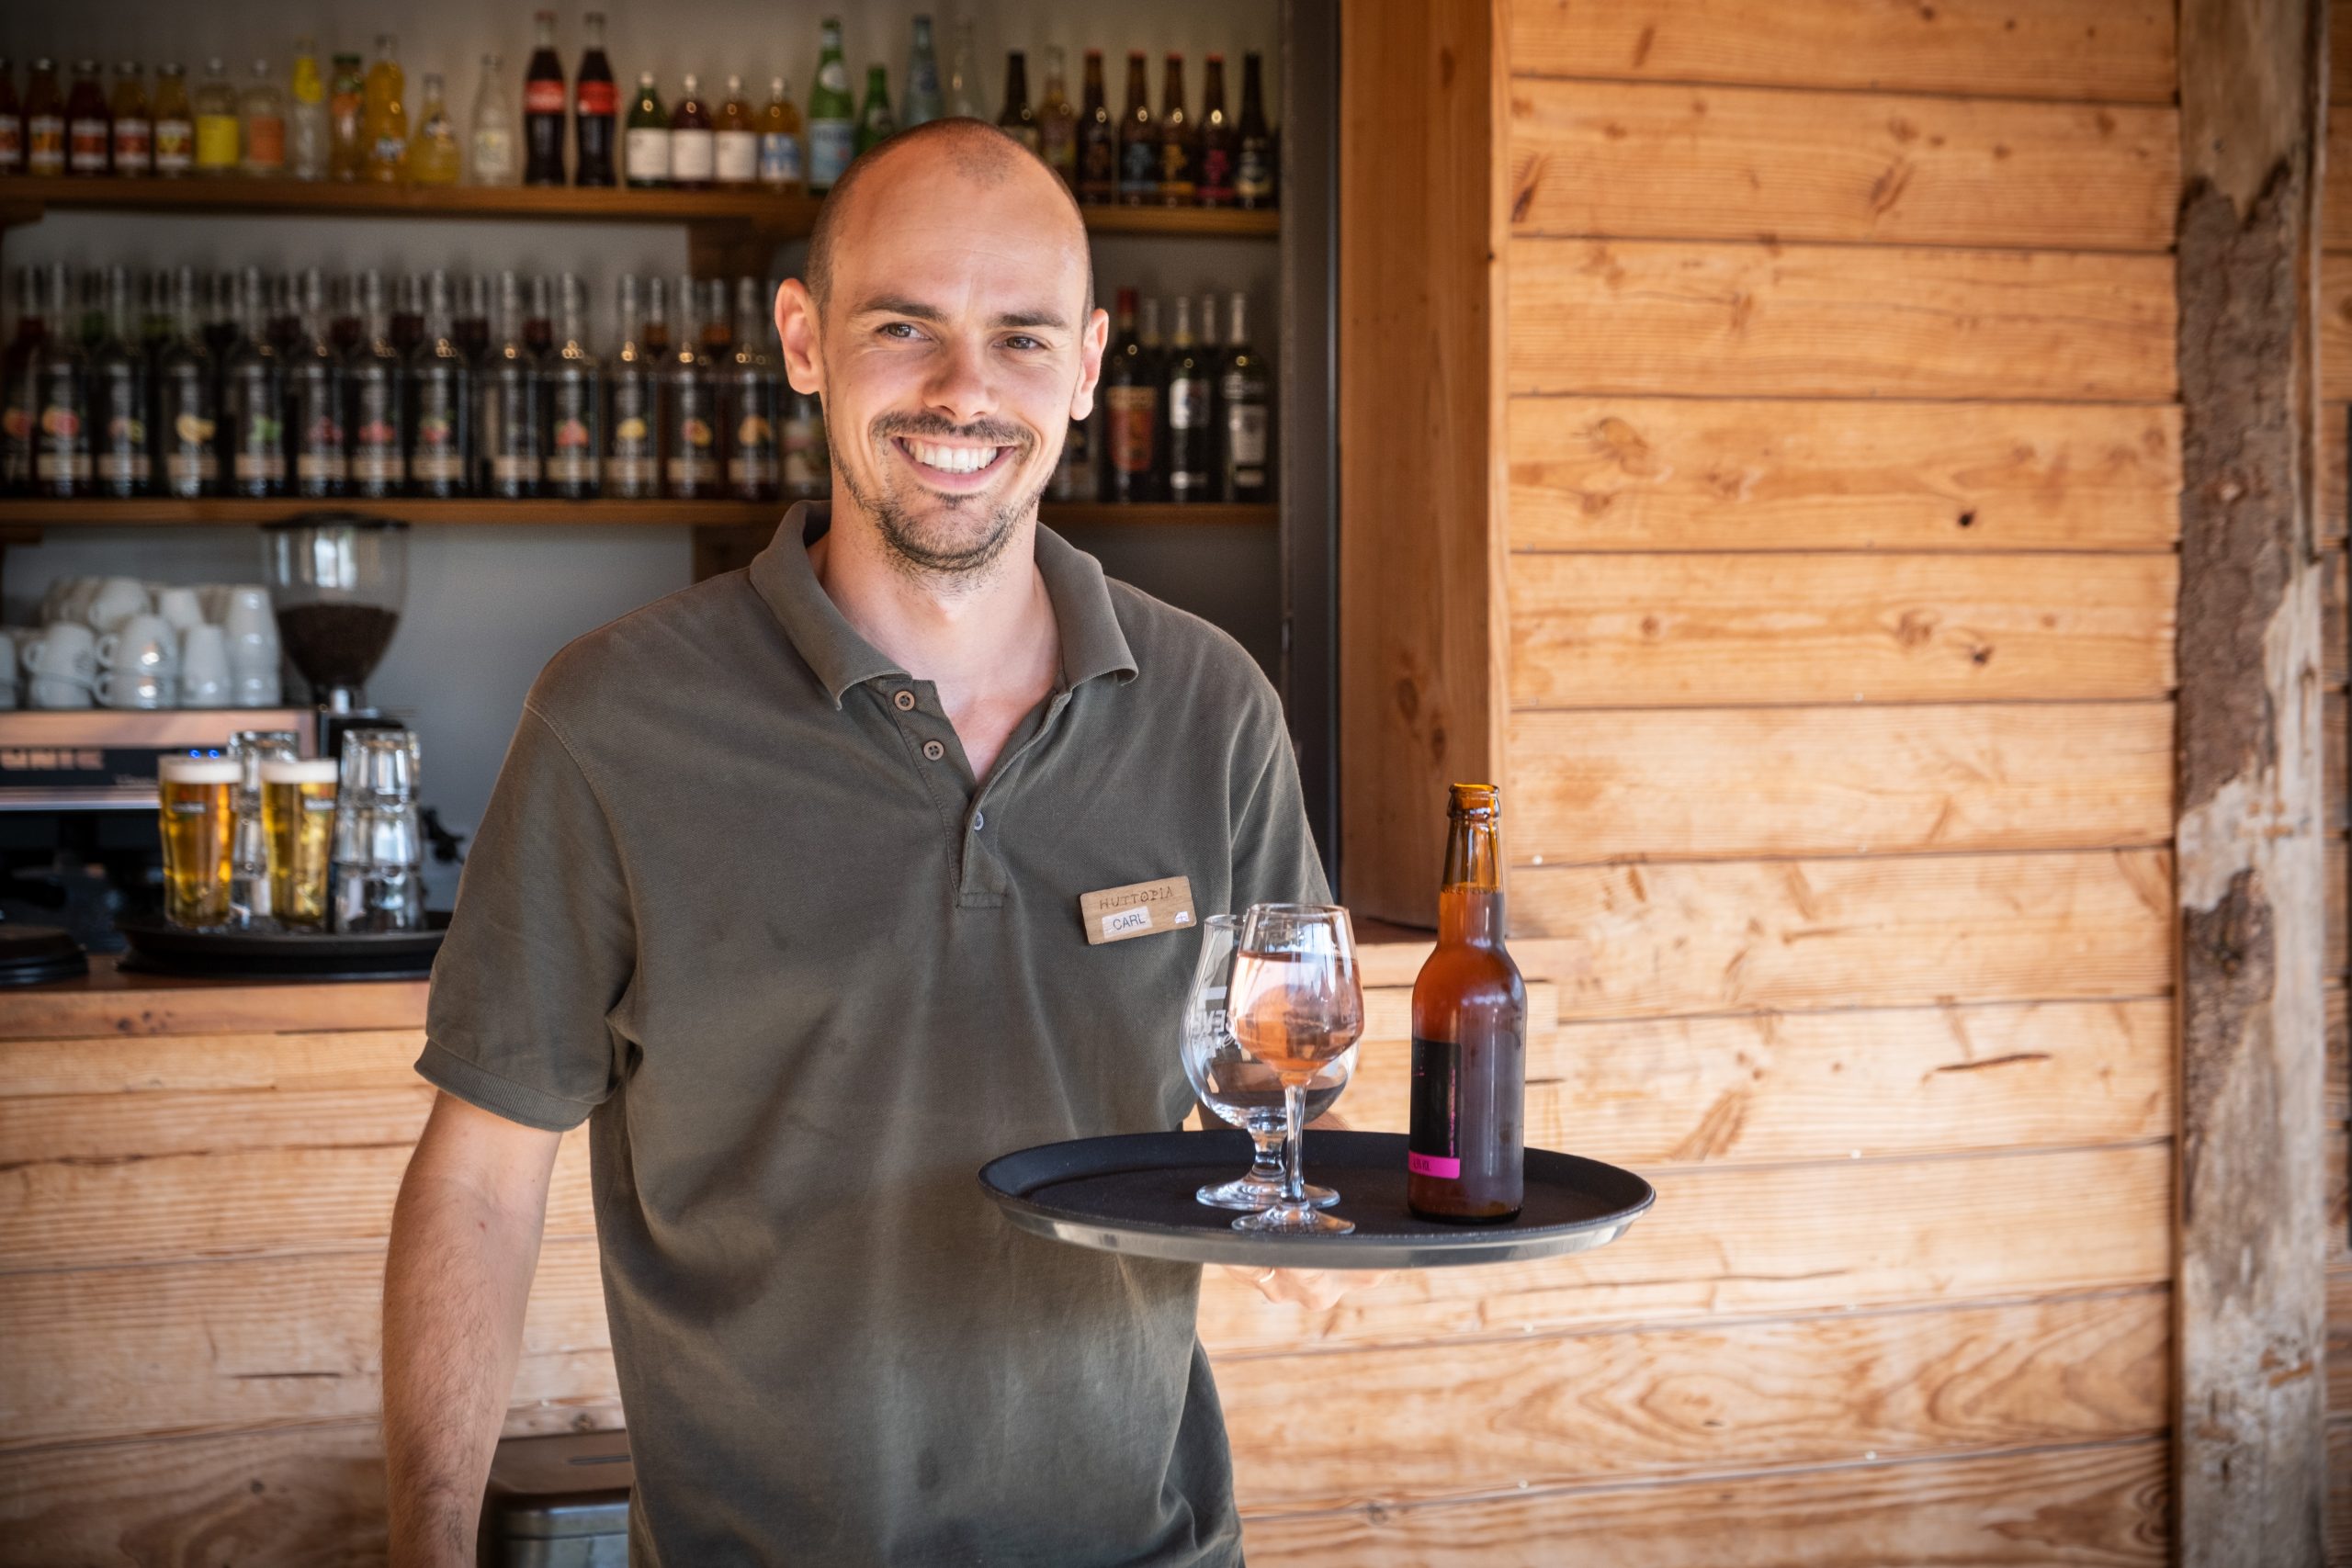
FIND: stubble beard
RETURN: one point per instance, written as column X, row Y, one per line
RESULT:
column 940, row 557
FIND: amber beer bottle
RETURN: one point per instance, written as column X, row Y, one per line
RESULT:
column 1463, row 1158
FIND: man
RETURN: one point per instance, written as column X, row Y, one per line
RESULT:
column 779, row 889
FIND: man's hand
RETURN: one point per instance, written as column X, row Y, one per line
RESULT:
column 1317, row 1288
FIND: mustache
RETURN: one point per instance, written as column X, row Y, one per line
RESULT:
column 919, row 426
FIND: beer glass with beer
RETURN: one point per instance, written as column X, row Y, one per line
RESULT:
column 298, row 815
column 196, row 792
column 1296, row 1004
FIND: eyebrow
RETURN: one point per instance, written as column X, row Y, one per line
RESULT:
column 892, row 305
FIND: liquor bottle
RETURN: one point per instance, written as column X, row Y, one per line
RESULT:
column 131, row 147
column 737, row 153
column 383, row 116
column 511, row 376
column 832, row 117
column 922, row 101
column 539, row 316
column 440, row 402
column 89, row 129
column 1138, row 141
column 315, row 431
column 282, row 319
column 1176, row 150
column 490, row 150
column 374, row 411
column 717, row 324
column 1098, row 140
column 1464, row 1153
column 782, row 167
column 656, row 331
column 155, row 320
column 594, row 103
column 1058, row 120
column 543, row 106
column 1017, row 119
column 120, row 465
column 747, row 399
column 435, row 155
column 1253, row 158
column 962, row 88
column 253, row 398
column 344, row 324
column 646, row 151
column 262, row 109
column 688, row 429
column 876, row 123
column 1186, row 390
column 1131, row 412
column 306, row 117
column 1213, row 178
column 224, row 318
column 60, row 404
column 469, row 317
column 45, row 122
column 1245, row 397
column 694, row 151
column 570, row 426
column 808, row 465
column 1074, row 472
column 631, row 471
column 187, row 416
column 19, row 394
column 12, row 120
column 346, row 152
column 92, row 331
column 408, row 314
column 175, row 123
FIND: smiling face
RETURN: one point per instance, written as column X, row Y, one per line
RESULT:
column 952, row 346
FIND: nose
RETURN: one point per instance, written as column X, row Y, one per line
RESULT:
column 958, row 389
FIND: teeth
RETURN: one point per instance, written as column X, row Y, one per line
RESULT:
column 954, row 459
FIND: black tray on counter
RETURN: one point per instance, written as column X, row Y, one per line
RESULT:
column 1134, row 1194
column 158, row 947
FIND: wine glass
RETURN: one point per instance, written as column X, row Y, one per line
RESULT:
column 1296, row 1004
column 1240, row 1089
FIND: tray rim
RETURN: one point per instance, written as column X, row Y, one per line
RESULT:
column 1467, row 1246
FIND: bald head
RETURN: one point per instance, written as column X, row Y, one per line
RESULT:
column 970, row 152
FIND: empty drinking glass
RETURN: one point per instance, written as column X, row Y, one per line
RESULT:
column 378, row 842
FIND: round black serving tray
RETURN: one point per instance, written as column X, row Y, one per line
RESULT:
column 158, row 947
column 1134, row 1194
column 32, row 956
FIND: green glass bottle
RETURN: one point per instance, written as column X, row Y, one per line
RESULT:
column 876, row 123
column 645, row 147
column 832, row 114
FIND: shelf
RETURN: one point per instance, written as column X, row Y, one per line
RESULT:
column 24, row 198
column 19, row 514
column 1112, row 514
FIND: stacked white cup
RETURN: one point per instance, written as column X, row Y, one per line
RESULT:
column 128, row 643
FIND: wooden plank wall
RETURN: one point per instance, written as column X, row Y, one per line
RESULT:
column 2336, row 392
column 1843, row 470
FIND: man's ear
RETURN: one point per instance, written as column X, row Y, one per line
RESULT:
column 795, row 324
column 1091, row 348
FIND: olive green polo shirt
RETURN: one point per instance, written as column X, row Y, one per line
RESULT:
column 738, row 902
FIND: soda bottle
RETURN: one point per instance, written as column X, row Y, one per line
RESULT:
column 89, row 129
column 543, row 105
column 1057, row 121
column 748, row 397
column 383, row 116
column 1253, row 158
column 120, row 463
column 19, row 400
column 374, row 407
column 187, row 417
column 132, row 149
column 875, row 124
column 832, row 117
column 595, row 103
column 62, row 406
column 688, row 430
column 781, row 167
column 263, row 109
column 440, row 402
column 1138, row 141
column 569, row 422
column 45, row 122
column 174, row 122
column 12, row 120
column 630, row 469
column 648, row 149
column 493, row 136
column 511, row 377
column 307, row 138
column 1017, row 119
column 922, row 101
column 1213, row 177
column 346, row 150
column 253, row 398
column 315, row 399
column 435, row 157
column 1098, row 140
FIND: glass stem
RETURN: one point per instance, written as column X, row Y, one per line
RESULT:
column 1294, row 1143
column 1268, row 1164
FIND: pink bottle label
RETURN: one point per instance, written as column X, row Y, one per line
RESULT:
column 1430, row 1165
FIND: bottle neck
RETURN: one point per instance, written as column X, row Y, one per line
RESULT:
column 1470, row 898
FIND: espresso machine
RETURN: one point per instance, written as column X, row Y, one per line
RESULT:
column 338, row 579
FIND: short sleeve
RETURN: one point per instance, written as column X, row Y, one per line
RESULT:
column 541, row 947
column 1274, row 858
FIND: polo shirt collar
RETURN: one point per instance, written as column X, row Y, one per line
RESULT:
column 1092, row 643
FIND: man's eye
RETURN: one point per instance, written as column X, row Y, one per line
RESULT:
column 1023, row 343
column 903, row 331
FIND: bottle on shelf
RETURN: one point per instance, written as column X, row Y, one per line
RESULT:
column 1058, row 120
column 252, row 398
column 1017, row 119
column 569, row 421
column 224, row 318
column 1245, row 404
column 383, row 116
column 689, row 425
column 693, row 148
column 544, row 102
column 346, row 151
column 60, row 404
column 539, row 315
column 716, row 320
column 656, row 318
column 470, row 318
column 1187, row 389
column 435, row 155
column 1098, row 139
column 175, row 123
column 922, row 101
column 315, row 433
column 120, row 465
column 375, row 413
column 646, row 150
column 736, row 149
column 131, row 131
column 1254, row 162
column 876, row 123
column 1176, row 138
column 155, row 319
column 1075, row 478
column 781, row 166
column 1213, row 172
column 963, row 94
column 89, row 129
column 1466, row 1151
column 632, row 471
column 748, row 395
column 307, row 138
column 92, row 329
column 1130, row 411
column 1138, row 139
column 344, row 322
column 408, row 313
column 262, row 109
column 45, row 122
column 20, row 401
column 808, row 464
column 833, row 116
column 440, row 401
column 594, row 103
column 511, row 400
column 12, row 120
column 491, row 140
column 188, row 411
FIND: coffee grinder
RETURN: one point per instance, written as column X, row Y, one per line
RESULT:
column 337, row 580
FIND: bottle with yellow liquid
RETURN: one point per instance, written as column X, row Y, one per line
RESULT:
column 436, row 157
column 383, row 117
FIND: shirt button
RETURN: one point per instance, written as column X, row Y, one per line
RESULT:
column 933, row 750
column 979, row 820
column 906, row 700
